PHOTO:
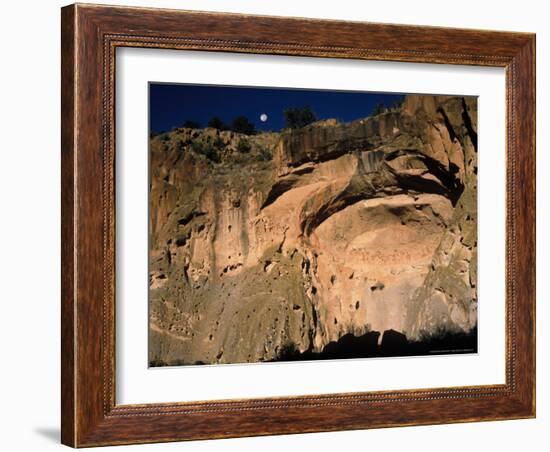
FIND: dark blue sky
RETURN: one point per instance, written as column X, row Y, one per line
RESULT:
column 172, row 104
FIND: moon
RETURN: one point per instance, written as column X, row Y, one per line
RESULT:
column 263, row 117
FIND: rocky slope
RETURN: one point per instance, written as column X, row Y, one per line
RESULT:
column 284, row 241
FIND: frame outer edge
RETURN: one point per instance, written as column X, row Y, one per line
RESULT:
column 86, row 420
column 534, row 173
column 68, row 230
column 526, row 218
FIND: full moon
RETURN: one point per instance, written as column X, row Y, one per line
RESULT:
column 263, row 117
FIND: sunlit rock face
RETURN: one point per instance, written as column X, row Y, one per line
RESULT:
column 294, row 240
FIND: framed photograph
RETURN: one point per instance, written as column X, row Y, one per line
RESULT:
column 281, row 225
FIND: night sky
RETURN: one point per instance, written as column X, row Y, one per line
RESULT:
column 172, row 104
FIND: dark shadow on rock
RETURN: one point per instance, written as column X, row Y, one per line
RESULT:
column 446, row 343
column 369, row 345
column 350, row 346
column 393, row 344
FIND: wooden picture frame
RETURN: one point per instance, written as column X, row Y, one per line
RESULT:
column 90, row 36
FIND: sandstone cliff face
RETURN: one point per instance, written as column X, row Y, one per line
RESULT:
column 294, row 240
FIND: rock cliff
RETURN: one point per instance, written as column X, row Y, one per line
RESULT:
column 265, row 243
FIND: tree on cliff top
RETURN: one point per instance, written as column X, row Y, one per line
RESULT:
column 298, row 117
column 241, row 124
column 190, row 124
column 378, row 109
column 217, row 123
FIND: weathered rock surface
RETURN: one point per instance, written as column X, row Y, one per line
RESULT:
column 270, row 242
